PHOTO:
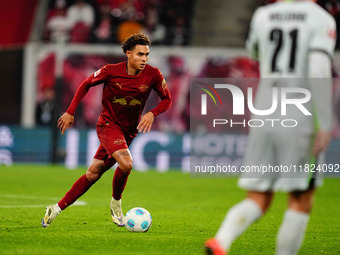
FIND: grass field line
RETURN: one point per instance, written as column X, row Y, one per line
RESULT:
column 23, row 197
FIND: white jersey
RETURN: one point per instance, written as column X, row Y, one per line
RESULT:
column 282, row 34
column 287, row 39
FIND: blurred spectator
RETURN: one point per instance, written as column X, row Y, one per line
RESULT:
column 178, row 34
column 57, row 28
column 333, row 7
column 152, row 28
column 128, row 9
column 127, row 28
column 112, row 3
column 81, row 17
column 76, row 69
column 177, row 17
column 165, row 22
column 55, row 6
column 129, row 18
column 81, row 12
column 242, row 67
column 125, row 10
column 46, row 108
column 178, row 80
column 104, row 31
column 46, row 70
column 130, row 24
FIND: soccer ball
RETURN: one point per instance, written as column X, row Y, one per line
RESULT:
column 138, row 220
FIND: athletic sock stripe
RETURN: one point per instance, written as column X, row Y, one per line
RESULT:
column 313, row 176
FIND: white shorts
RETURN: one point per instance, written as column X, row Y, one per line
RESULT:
column 277, row 162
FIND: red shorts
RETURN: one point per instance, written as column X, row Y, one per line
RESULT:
column 111, row 139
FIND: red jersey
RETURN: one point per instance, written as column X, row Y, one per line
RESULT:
column 124, row 96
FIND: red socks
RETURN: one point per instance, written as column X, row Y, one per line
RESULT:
column 77, row 190
column 118, row 184
column 83, row 184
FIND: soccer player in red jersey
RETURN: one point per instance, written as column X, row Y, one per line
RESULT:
column 127, row 86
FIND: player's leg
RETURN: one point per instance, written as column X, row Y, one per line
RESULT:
column 125, row 163
column 94, row 172
column 259, row 152
column 262, row 199
column 300, row 187
column 240, row 217
column 116, row 147
column 295, row 221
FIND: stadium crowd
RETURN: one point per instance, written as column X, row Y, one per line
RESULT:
column 111, row 21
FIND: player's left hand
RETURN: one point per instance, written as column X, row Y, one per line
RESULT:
column 321, row 142
column 146, row 122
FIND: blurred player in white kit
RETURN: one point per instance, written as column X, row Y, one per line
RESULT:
column 290, row 39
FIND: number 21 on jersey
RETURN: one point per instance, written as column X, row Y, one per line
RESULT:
column 278, row 37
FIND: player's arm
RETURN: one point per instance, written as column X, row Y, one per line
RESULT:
column 321, row 88
column 67, row 119
column 319, row 68
column 252, row 41
column 165, row 103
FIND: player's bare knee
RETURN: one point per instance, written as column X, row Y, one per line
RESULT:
column 126, row 166
column 93, row 177
column 301, row 201
column 95, row 171
column 305, row 208
column 262, row 199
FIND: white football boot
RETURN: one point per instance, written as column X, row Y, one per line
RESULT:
column 117, row 212
column 51, row 213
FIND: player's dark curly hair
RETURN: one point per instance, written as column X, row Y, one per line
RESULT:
column 131, row 42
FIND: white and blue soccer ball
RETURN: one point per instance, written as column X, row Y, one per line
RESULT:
column 138, row 219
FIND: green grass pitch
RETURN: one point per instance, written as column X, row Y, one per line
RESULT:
column 186, row 211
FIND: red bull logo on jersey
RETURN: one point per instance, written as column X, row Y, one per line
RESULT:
column 127, row 101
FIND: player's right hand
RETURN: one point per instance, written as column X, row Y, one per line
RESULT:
column 146, row 122
column 65, row 121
